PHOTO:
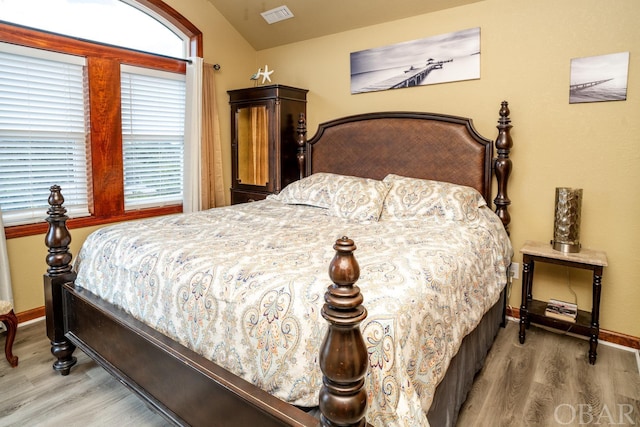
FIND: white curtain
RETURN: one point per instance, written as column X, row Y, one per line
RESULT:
column 192, row 136
column 6, row 293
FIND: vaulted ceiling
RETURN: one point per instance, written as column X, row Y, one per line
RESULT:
column 316, row 18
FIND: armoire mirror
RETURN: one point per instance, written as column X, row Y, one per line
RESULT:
column 253, row 145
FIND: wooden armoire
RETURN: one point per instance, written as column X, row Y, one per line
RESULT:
column 264, row 140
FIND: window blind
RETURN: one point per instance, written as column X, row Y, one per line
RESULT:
column 153, row 115
column 42, row 133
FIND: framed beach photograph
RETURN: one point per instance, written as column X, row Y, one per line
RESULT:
column 438, row 59
column 599, row 78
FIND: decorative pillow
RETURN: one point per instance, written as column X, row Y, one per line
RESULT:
column 359, row 199
column 314, row 190
column 411, row 198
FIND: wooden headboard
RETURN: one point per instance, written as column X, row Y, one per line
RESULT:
column 420, row 145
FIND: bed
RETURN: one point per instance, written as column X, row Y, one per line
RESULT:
column 303, row 351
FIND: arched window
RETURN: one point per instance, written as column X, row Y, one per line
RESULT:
column 138, row 27
column 103, row 121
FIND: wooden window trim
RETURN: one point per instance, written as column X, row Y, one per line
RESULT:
column 183, row 24
column 103, row 77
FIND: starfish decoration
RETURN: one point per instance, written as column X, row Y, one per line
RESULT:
column 266, row 73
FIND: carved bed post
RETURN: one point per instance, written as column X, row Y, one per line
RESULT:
column 59, row 272
column 343, row 354
column 502, row 165
column 302, row 142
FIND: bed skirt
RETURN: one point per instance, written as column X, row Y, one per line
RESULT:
column 457, row 382
column 452, row 391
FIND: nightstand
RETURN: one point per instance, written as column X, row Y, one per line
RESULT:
column 532, row 311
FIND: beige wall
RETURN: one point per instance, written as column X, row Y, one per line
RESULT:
column 526, row 52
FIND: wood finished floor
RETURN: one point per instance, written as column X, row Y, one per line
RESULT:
column 520, row 385
column 548, row 381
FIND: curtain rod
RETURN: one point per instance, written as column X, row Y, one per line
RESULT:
column 215, row 66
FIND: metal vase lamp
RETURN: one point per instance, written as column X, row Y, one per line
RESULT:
column 566, row 227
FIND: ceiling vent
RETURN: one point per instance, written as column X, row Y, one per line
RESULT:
column 276, row 15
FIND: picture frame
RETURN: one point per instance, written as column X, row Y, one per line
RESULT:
column 443, row 58
column 599, row 78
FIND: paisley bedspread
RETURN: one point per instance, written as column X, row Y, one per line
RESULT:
column 244, row 286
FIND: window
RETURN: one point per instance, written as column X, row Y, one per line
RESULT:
column 153, row 108
column 94, row 20
column 108, row 123
column 42, row 126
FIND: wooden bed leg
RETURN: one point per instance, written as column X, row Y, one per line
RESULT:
column 502, row 165
column 59, row 272
column 343, row 354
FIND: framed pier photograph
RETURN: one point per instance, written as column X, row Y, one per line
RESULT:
column 599, row 78
column 443, row 58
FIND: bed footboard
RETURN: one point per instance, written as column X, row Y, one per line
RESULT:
column 173, row 379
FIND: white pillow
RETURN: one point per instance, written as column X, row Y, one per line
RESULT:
column 344, row 196
column 412, row 198
column 360, row 199
column 314, row 190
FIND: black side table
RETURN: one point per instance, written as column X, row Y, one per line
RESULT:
column 532, row 311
